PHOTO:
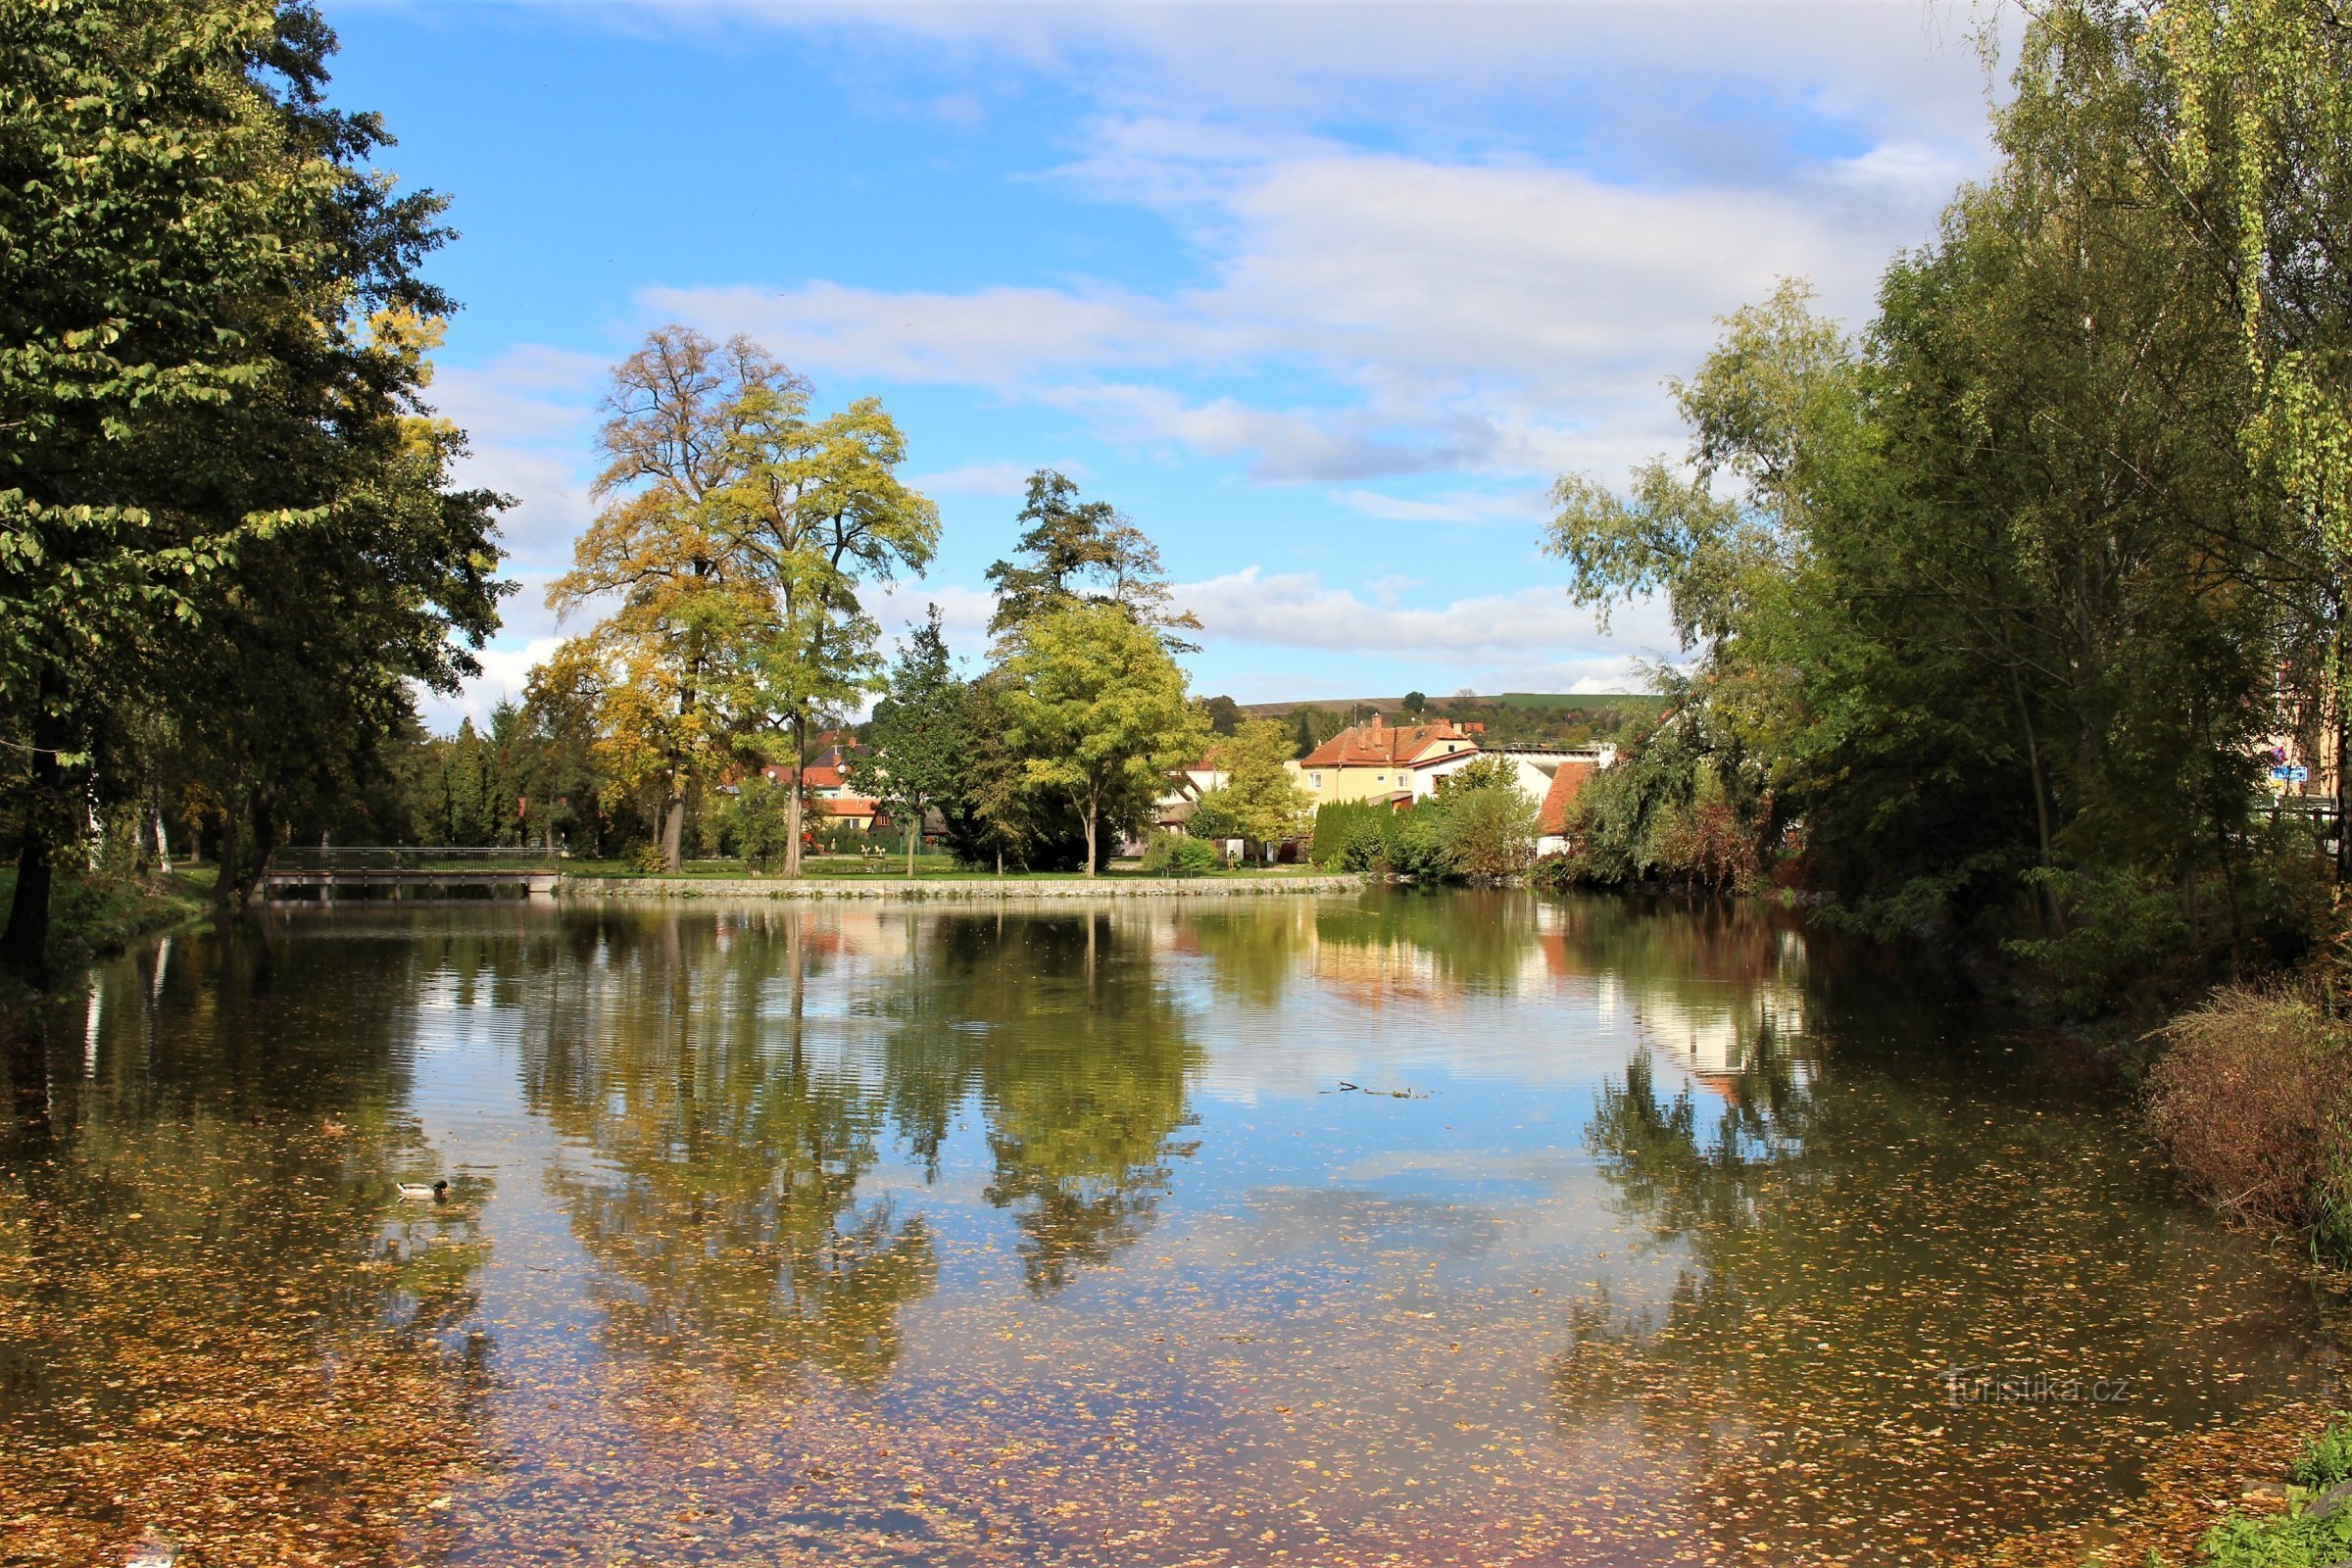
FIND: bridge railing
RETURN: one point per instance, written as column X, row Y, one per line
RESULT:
column 413, row 858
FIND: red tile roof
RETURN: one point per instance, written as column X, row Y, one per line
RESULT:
column 1378, row 745
column 1566, row 784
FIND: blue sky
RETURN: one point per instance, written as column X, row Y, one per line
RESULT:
column 1324, row 296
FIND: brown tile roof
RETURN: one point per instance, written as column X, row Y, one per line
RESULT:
column 1377, row 745
column 1566, row 784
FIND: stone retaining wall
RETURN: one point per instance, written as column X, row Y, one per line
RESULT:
column 966, row 891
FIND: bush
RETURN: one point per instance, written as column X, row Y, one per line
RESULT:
column 2251, row 1104
column 755, row 821
column 1339, row 825
column 2328, row 1460
column 1179, row 854
column 1489, row 833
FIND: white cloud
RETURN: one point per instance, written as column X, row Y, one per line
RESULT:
column 1460, row 506
column 991, row 479
column 1476, row 316
column 1531, row 627
column 504, row 672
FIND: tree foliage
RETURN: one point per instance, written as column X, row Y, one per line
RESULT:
column 1998, row 605
column 228, row 538
column 1099, row 711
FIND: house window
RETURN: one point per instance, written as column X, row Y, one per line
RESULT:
column 1314, row 781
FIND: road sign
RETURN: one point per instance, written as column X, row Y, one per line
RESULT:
column 2291, row 775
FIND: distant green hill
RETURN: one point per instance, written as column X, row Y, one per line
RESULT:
column 1391, row 707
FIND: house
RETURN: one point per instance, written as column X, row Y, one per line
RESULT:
column 1174, row 807
column 1379, row 762
column 1553, row 776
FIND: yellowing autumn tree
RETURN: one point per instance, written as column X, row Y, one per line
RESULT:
column 816, row 510
column 672, row 655
column 734, row 536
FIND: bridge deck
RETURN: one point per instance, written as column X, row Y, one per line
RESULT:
column 538, row 879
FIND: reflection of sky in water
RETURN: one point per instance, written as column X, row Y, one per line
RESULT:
column 890, row 1235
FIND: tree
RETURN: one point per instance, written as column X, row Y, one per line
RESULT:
column 921, row 733
column 210, row 349
column 818, row 509
column 1100, row 713
column 1260, row 797
column 735, row 533
column 1485, row 823
column 675, row 658
column 1224, row 716
column 1083, row 551
column 1415, row 703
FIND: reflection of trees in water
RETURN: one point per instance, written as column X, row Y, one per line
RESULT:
column 1843, row 1239
column 731, row 1223
column 202, row 1328
column 1708, row 981
column 1078, row 1056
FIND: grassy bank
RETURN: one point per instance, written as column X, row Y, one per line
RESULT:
column 90, row 918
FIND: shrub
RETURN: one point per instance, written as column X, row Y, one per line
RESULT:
column 2250, row 1101
column 1339, row 825
column 1488, row 832
column 2328, row 1460
column 1179, row 854
column 755, row 822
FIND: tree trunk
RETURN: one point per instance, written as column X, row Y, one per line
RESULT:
column 2340, row 705
column 24, row 943
column 2041, row 804
column 162, row 840
column 673, row 823
column 914, row 834
column 794, row 815
column 229, row 850
column 265, row 841
column 1093, row 815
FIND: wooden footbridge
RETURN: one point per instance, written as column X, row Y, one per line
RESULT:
column 321, row 874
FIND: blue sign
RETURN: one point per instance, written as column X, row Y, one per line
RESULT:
column 2291, row 775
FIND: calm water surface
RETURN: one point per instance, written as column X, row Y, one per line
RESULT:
column 1413, row 1229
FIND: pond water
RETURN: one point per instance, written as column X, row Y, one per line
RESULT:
column 1394, row 1229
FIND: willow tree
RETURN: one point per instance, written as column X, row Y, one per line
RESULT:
column 2251, row 118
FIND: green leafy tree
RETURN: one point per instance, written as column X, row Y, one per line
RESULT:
column 210, row 343
column 1098, row 712
column 921, row 734
column 673, row 662
column 820, row 510
column 1260, row 797
column 1083, row 551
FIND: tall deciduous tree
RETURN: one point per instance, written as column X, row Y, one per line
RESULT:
column 192, row 248
column 817, row 509
column 1098, row 709
column 676, row 658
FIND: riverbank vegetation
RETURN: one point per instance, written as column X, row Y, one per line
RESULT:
column 2001, row 608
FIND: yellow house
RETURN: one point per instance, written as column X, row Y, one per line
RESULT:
column 1374, row 761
